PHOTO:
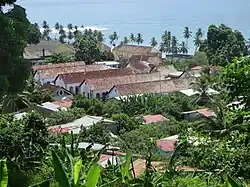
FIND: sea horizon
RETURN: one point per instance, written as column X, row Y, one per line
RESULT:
column 151, row 18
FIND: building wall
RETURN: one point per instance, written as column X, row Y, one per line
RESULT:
column 59, row 82
column 113, row 93
column 192, row 116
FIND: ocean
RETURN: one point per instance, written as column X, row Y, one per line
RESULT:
column 151, row 18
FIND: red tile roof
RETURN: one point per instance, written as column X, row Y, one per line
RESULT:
column 63, row 103
column 135, row 49
column 206, row 112
column 154, row 86
column 51, row 87
column 166, row 145
column 56, row 130
column 107, row 83
column 196, row 68
column 78, row 77
column 153, row 118
column 59, row 65
column 53, row 72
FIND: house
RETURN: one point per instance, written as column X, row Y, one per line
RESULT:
column 153, row 119
column 197, row 114
column 86, row 121
column 192, row 92
column 142, row 67
column 148, row 86
column 47, row 73
column 38, row 52
column 127, row 51
column 111, row 64
column 58, row 93
column 166, row 146
column 100, row 88
column 155, row 60
column 144, row 63
column 76, row 82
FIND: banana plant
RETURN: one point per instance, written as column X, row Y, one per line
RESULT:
column 231, row 182
column 3, row 174
column 75, row 178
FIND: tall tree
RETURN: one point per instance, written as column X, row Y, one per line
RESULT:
column 62, row 34
column 187, row 34
column 198, row 38
column 153, row 42
column 46, row 31
column 139, row 39
column 183, row 48
column 125, row 40
column 76, row 31
column 223, row 45
column 70, row 26
column 87, row 49
column 34, row 34
column 14, row 70
column 113, row 38
column 166, row 41
column 132, row 38
column 57, row 28
column 100, row 37
column 174, row 45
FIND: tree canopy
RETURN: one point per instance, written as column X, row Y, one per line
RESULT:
column 223, row 44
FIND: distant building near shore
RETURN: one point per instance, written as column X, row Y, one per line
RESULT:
column 127, row 51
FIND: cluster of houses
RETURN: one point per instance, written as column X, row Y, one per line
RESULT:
column 144, row 73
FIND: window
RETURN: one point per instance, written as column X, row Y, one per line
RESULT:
column 88, row 95
column 60, row 92
column 83, row 93
column 98, row 96
column 77, row 89
column 104, row 95
column 71, row 89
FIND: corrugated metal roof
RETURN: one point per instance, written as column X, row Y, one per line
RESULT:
column 153, row 118
column 85, row 121
column 191, row 92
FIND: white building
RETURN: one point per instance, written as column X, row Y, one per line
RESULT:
column 47, row 73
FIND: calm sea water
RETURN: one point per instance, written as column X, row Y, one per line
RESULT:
column 148, row 17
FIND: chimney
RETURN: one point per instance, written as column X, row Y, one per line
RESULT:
column 43, row 53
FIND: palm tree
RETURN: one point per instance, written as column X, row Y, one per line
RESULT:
column 100, row 37
column 187, row 34
column 113, row 38
column 46, row 31
column 62, row 34
column 139, row 39
column 57, row 27
column 125, row 40
column 174, row 45
column 153, row 42
column 166, row 40
column 183, row 48
column 162, row 47
column 70, row 26
column 132, row 38
column 198, row 38
column 76, row 31
column 70, row 36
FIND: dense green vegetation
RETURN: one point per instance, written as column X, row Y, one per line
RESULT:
column 217, row 149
